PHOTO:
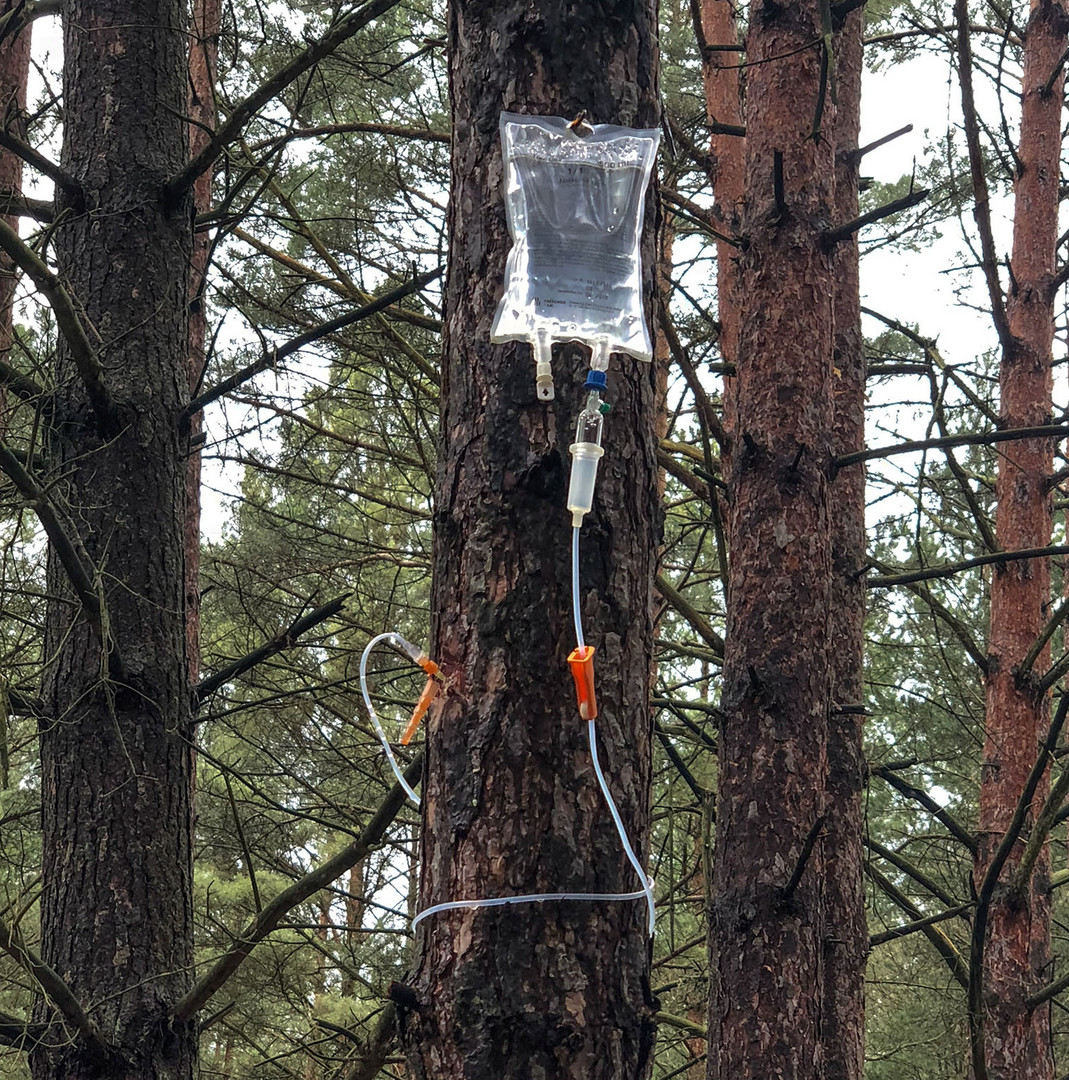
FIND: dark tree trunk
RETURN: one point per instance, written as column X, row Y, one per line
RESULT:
column 1017, row 1040
column 767, row 905
column 115, row 751
column 846, row 942
column 511, row 802
column 14, row 70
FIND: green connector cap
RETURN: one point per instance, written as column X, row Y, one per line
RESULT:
column 604, row 407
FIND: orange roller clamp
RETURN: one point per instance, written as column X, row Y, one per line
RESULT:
column 583, row 672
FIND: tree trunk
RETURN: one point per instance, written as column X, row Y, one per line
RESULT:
column 14, row 70
column 767, row 905
column 511, row 803
column 203, row 62
column 115, row 752
column 846, row 943
column 1017, row 1042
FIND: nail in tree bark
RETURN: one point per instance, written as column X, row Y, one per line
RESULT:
column 1017, row 955
column 767, row 905
column 116, row 909
column 510, row 799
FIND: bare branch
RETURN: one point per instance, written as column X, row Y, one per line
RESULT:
column 268, row 360
column 937, row 811
column 300, row 890
column 68, row 548
column 950, row 569
column 277, row 644
column 831, row 237
column 698, row 622
column 57, row 990
column 231, row 130
column 85, row 360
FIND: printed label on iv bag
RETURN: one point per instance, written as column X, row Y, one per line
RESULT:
column 575, row 208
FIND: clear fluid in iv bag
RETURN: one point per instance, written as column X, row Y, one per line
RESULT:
column 575, row 208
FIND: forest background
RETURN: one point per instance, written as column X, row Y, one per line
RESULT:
column 318, row 448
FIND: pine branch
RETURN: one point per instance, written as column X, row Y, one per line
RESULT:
column 231, row 130
column 85, row 360
column 19, row 1034
column 910, row 870
column 681, row 1023
column 12, row 205
column 698, row 622
column 22, row 386
column 1044, row 822
column 277, row 644
column 939, row 812
column 300, row 890
column 58, row 992
column 66, row 544
column 46, row 167
column 979, row 438
column 861, row 151
column 275, row 356
column 950, row 569
column 831, row 237
column 940, row 942
column 896, row 932
column 370, row 1061
column 699, row 214
column 1056, row 619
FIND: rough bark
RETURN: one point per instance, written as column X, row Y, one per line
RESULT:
column 14, row 69
column 767, row 905
column 203, row 62
column 510, row 799
column 115, row 750
column 1017, row 1041
column 846, row 943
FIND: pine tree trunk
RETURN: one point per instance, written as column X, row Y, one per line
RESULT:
column 115, row 753
column 1017, row 1041
column 846, row 942
column 511, row 803
column 14, row 70
column 203, row 62
column 767, row 905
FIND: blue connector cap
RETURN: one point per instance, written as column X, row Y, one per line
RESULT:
column 596, row 380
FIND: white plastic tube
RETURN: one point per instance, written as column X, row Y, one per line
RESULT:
column 577, row 615
column 410, row 650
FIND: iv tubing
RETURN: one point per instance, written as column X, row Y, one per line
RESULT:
column 537, row 898
column 576, row 613
column 409, row 650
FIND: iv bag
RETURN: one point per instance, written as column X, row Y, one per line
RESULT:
column 575, row 205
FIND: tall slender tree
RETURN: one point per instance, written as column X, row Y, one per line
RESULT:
column 511, row 801
column 116, row 914
column 768, row 904
column 1010, row 1035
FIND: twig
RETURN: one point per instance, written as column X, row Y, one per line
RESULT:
column 277, row 644
column 918, row 924
column 70, row 1008
column 937, row 811
column 787, row 895
column 950, row 569
column 68, row 548
column 300, row 890
column 269, row 359
column 831, row 237
column 978, row 438
column 698, row 622
column 231, row 130
column 85, row 360
column 861, row 151
column 981, row 198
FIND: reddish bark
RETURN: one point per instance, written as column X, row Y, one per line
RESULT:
column 511, row 805
column 846, row 942
column 767, row 905
column 1017, row 955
